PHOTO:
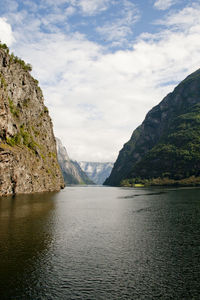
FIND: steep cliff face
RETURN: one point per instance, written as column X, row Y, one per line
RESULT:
column 72, row 172
column 28, row 158
column 167, row 143
column 97, row 171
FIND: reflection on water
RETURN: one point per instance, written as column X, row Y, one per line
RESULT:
column 25, row 235
column 101, row 243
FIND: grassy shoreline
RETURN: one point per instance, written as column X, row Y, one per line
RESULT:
column 191, row 181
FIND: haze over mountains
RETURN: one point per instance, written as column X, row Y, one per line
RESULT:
column 97, row 171
column 81, row 172
column 72, row 172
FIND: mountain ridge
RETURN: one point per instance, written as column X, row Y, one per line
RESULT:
column 97, row 171
column 136, row 158
column 71, row 170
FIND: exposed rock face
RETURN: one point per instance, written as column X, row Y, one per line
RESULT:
column 28, row 158
column 167, row 143
column 72, row 172
column 97, row 171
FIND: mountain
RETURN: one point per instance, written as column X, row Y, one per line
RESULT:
column 28, row 157
column 96, row 171
column 165, row 148
column 72, row 172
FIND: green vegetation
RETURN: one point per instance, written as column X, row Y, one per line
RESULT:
column 37, row 84
column 36, row 132
column 139, row 185
column 4, row 47
column 52, row 154
column 175, row 160
column 27, row 138
column 177, row 155
column 26, row 102
column 191, row 77
column 165, row 181
column 46, row 109
column 22, row 137
column 3, row 82
column 15, row 59
column 21, row 62
column 15, row 140
column 36, row 81
column 39, row 89
column 167, row 149
column 13, row 109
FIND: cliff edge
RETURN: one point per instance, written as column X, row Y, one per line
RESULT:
column 28, row 157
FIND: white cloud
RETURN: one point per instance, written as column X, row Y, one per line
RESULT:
column 70, row 11
column 32, row 6
column 97, row 98
column 11, row 5
column 6, row 34
column 55, row 2
column 87, row 7
column 184, row 19
column 164, row 4
column 121, row 26
column 92, row 7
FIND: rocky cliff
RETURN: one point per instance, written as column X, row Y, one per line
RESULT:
column 72, row 172
column 164, row 149
column 28, row 158
column 97, row 171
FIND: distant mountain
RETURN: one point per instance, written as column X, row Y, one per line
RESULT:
column 96, row 171
column 165, row 148
column 72, row 172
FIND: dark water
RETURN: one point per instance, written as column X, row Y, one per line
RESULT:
column 101, row 243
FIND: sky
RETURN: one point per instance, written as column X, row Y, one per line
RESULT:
column 103, row 64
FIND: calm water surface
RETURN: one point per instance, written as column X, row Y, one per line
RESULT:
column 101, row 243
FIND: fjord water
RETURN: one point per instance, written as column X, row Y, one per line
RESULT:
column 101, row 243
